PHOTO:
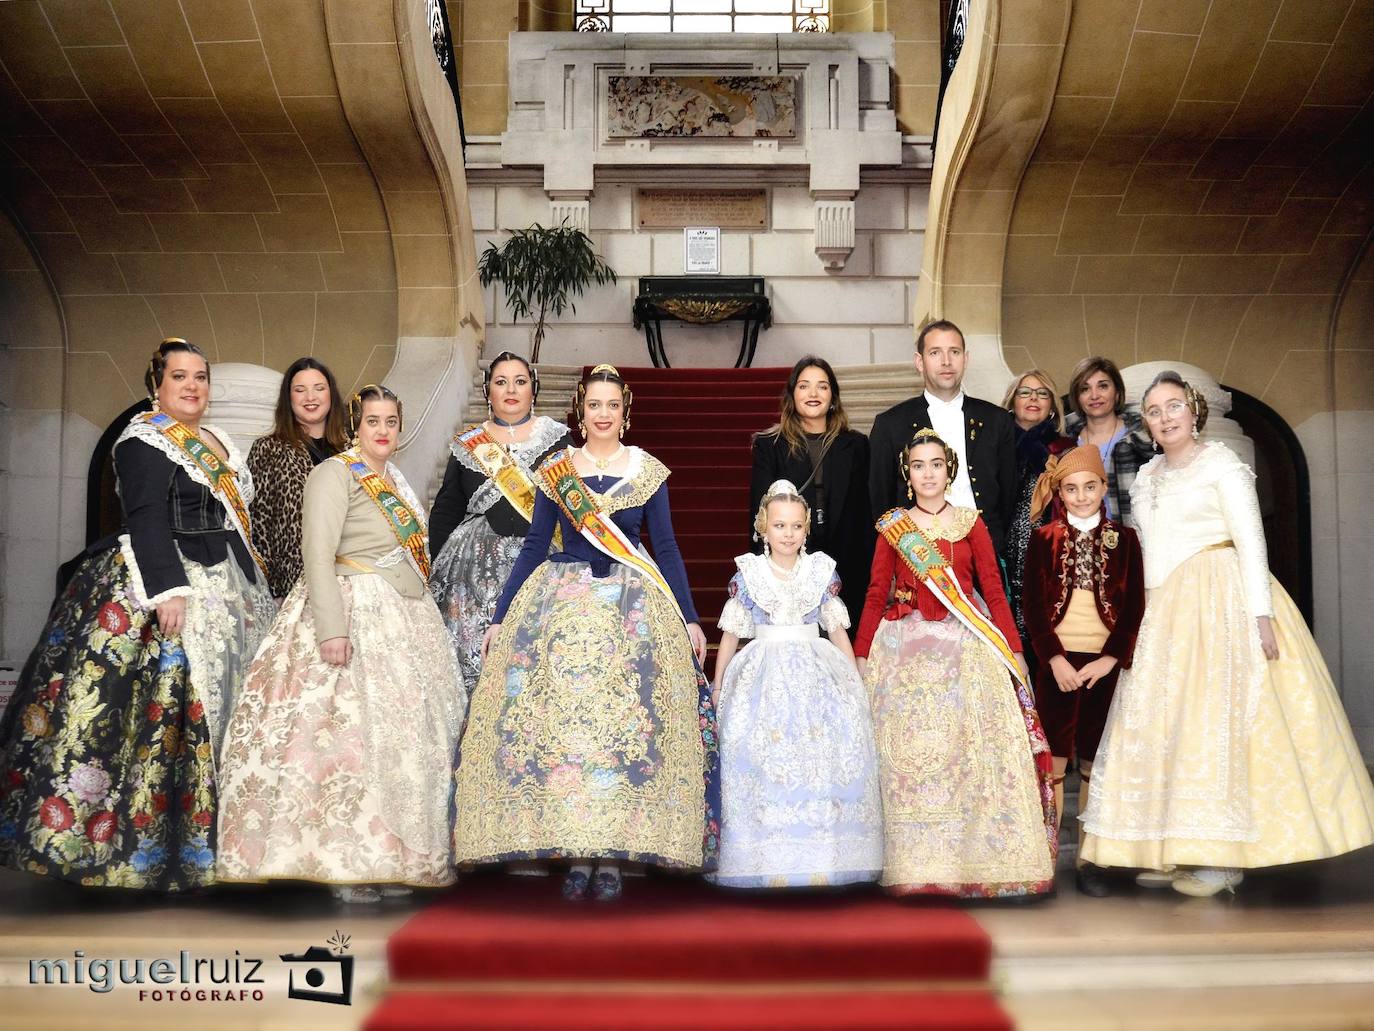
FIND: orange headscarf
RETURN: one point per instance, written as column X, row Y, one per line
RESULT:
column 1083, row 459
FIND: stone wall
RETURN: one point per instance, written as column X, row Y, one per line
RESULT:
column 853, row 316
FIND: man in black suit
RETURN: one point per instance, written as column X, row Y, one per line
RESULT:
column 981, row 433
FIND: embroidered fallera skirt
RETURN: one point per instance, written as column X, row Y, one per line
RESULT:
column 107, row 749
column 591, row 733
column 965, row 810
column 1214, row 756
column 466, row 580
column 342, row 774
column 799, row 775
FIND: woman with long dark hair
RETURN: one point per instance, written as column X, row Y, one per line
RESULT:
column 483, row 510
column 812, row 445
column 307, row 427
column 108, row 749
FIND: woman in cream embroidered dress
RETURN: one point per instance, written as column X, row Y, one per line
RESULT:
column 799, row 776
column 108, row 747
column 966, row 811
column 1226, row 747
column 592, row 733
column 474, row 531
column 339, row 755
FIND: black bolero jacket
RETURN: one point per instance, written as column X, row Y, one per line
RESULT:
column 847, row 535
column 163, row 508
column 990, row 443
column 460, row 483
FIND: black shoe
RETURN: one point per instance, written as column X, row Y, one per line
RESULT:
column 1091, row 881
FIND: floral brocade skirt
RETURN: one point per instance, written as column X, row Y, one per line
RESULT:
column 1214, row 756
column 107, row 749
column 469, row 574
column 591, row 733
column 799, row 774
column 966, row 810
column 343, row 774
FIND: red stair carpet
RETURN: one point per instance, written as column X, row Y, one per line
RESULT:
column 506, row 953
column 700, row 423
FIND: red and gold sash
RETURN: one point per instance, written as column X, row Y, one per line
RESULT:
column 575, row 500
column 929, row 564
column 223, row 481
column 505, row 472
column 406, row 525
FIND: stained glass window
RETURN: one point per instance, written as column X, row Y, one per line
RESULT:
column 703, row 15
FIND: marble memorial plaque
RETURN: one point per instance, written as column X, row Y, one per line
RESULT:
column 695, row 106
column 730, row 209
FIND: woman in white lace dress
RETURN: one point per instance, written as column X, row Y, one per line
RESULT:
column 1226, row 747
column 799, row 775
column 339, row 756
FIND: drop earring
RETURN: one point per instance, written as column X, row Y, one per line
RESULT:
column 156, row 407
column 1196, row 434
column 767, row 551
column 910, row 494
column 622, row 431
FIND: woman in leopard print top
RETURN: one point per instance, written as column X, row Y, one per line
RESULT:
column 308, row 428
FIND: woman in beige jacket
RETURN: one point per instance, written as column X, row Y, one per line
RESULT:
column 339, row 753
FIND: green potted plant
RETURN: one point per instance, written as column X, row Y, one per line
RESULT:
column 542, row 270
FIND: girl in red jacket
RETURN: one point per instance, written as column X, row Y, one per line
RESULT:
column 962, row 762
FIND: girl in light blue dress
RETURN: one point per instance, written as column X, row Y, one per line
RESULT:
column 799, row 778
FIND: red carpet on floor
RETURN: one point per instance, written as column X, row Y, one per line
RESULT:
column 849, row 1011
column 502, row 952
column 681, row 929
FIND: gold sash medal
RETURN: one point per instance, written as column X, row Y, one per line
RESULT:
column 505, row 472
column 600, row 530
column 406, row 525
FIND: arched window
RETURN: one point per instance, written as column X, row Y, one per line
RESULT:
column 703, row 15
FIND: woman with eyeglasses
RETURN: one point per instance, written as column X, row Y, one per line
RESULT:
column 1033, row 401
column 1226, row 747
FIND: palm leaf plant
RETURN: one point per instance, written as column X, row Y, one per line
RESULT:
column 542, row 270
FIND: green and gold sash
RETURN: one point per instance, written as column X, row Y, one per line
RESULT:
column 505, row 472
column 406, row 525
column 600, row 531
column 930, row 566
column 222, row 479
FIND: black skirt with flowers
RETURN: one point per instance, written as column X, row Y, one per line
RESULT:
column 106, row 752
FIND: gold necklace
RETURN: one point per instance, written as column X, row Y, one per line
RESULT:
column 608, row 461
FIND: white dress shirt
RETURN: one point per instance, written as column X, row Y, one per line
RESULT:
column 947, row 419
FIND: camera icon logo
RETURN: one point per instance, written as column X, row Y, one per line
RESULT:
column 318, row 976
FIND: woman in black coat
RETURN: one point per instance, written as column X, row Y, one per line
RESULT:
column 812, row 445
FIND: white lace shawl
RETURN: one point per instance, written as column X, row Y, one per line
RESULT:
column 545, row 433
column 140, row 429
column 787, row 602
